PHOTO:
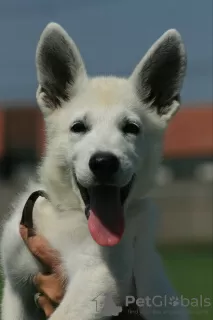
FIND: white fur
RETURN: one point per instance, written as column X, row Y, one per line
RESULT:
column 92, row 270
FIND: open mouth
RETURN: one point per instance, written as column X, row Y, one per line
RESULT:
column 104, row 209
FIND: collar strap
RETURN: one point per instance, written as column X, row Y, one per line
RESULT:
column 27, row 213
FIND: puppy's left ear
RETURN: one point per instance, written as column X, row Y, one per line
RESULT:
column 158, row 78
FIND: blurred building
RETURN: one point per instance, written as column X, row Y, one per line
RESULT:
column 112, row 36
column 188, row 149
column 185, row 179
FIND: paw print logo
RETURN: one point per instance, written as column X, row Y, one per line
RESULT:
column 174, row 301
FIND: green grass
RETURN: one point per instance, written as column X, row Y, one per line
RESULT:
column 191, row 272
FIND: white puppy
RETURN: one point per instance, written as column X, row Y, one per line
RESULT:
column 103, row 147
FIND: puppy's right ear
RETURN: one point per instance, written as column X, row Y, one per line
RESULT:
column 59, row 68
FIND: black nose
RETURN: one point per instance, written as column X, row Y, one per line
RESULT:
column 103, row 165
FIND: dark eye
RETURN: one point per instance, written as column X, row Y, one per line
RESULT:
column 79, row 127
column 131, row 128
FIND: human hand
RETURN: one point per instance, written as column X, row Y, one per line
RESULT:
column 50, row 285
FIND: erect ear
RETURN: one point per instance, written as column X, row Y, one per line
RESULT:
column 59, row 67
column 158, row 78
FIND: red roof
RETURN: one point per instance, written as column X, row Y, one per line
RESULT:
column 190, row 133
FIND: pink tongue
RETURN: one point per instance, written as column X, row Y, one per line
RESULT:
column 106, row 219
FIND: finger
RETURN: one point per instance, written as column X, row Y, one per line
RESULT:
column 40, row 248
column 38, row 245
column 23, row 232
column 50, row 285
column 45, row 304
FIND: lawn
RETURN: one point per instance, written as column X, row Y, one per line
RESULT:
column 191, row 272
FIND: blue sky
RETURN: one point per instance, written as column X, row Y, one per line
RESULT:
column 112, row 36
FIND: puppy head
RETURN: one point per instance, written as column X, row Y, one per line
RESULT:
column 104, row 134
